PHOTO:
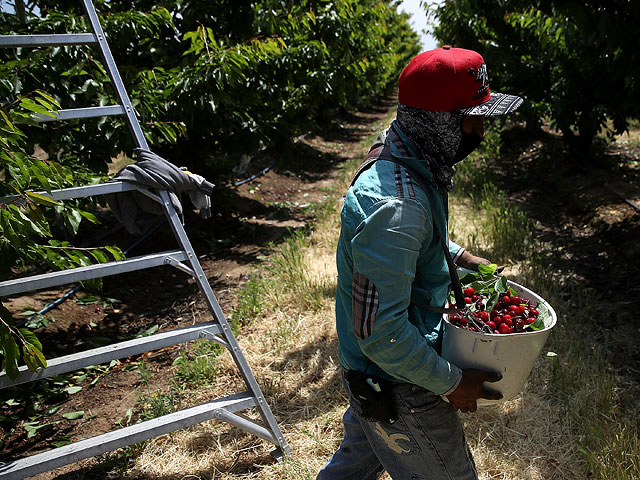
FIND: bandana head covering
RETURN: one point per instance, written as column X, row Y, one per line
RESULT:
column 438, row 136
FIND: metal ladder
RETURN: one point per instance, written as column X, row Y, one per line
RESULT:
column 184, row 258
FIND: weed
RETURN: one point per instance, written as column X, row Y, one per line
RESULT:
column 144, row 373
column 507, row 229
column 157, row 404
column 198, row 365
column 321, row 211
column 250, row 300
column 612, row 453
column 36, row 320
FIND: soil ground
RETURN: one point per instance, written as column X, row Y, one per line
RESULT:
column 587, row 213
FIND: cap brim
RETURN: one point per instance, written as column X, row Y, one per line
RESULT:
column 498, row 104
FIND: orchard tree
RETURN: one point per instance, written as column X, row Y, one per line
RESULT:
column 574, row 63
column 209, row 79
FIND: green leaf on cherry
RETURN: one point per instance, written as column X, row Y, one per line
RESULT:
column 487, row 270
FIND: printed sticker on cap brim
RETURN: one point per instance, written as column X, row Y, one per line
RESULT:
column 498, row 104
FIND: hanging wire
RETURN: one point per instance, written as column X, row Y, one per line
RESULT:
column 253, row 177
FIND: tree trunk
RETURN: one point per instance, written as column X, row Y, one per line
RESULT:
column 21, row 12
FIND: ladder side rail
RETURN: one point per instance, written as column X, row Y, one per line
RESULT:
column 74, row 452
column 112, row 69
column 47, row 40
column 114, row 351
column 216, row 310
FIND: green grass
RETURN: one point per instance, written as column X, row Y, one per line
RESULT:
column 601, row 426
column 289, row 276
column 157, row 404
column 250, row 301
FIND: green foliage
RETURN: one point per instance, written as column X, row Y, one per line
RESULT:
column 198, row 365
column 157, row 404
column 207, row 82
column 250, row 301
column 576, row 63
column 26, row 218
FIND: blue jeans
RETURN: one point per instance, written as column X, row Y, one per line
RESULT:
column 426, row 442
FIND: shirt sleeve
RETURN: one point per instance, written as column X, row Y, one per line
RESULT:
column 455, row 251
column 385, row 251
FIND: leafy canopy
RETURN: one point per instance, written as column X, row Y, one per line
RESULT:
column 575, row 63
column 206, row 81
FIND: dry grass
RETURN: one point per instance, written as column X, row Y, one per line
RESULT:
column 293, row 354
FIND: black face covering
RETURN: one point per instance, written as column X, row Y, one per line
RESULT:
column 440, row 140
column 468, row 143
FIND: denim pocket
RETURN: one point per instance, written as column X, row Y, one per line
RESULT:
column 417, row 399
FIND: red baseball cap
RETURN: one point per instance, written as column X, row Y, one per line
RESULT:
column 452, row 79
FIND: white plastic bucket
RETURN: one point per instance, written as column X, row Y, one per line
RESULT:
column 512, row 354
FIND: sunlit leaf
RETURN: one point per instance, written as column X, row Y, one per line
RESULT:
column 42, row 199
column 73, row 415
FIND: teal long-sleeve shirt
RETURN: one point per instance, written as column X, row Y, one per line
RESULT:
column 390, row 262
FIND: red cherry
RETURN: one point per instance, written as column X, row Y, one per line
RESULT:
column 515, row 301
column 503, row 328
column 498, row 319
column 507, row 319
column 494, row 313
column 484, row 316
column 529, row 320
column 490, row 324
column 468, row 292
column 475, row 298
column 467, row 300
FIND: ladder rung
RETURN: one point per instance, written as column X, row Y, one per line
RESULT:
column 79, row 274
column 47, row 40
column 100, row 355
column 219, row 408
column 80, row 192
column 86, row 112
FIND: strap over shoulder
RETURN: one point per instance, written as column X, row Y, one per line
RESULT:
column 373, row 155
column 380, row 151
